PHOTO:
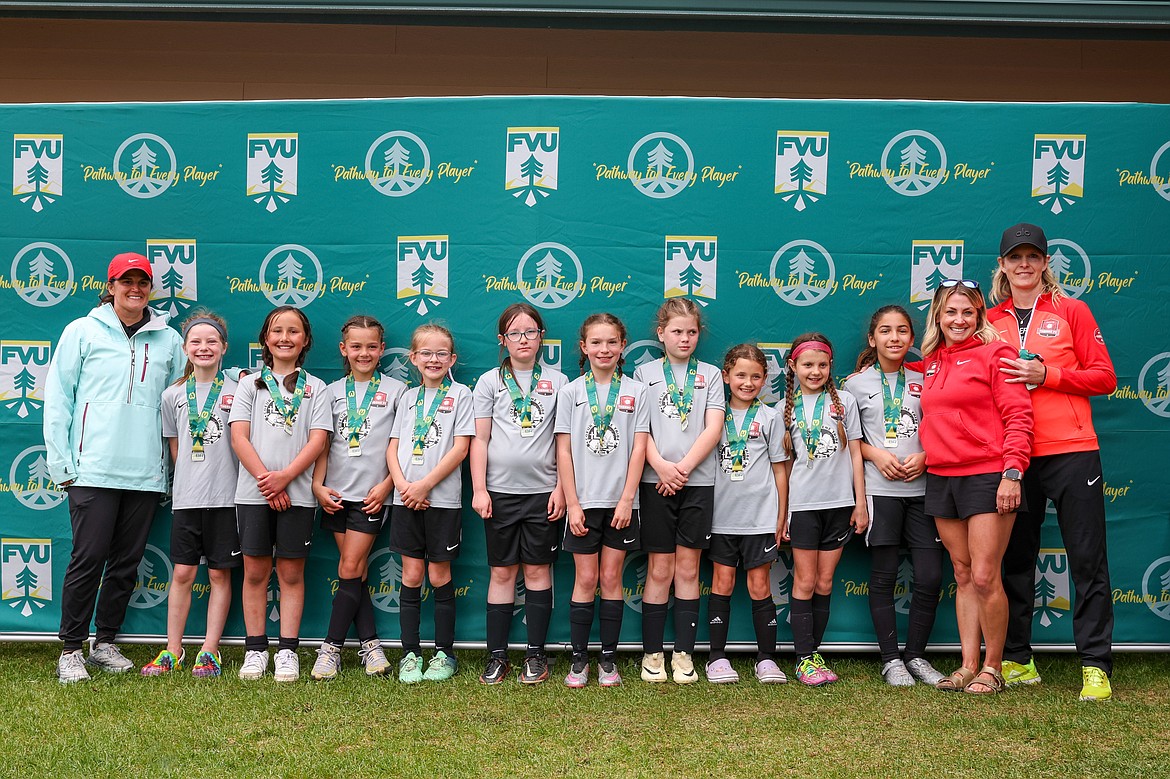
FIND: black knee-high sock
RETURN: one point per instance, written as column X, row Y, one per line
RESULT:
column 820, row 612
column 445, row 617
column 686, row 624
column 611, row 626
column 653, row 626
column 801, row 617
column 499, row 623
column 408, row 619
column 363, row 621
column 924, row 603
column 882, row 576
column 580, row 623
column 718, row 618
column 538, row 606
column 764, row 621
column 345, row 606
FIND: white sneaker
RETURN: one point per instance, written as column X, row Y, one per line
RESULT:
column 327, row 665
column 108, row 657
column 255, row 665
column 653, row 667
column 923, row 671
column 896, row 674
column 373, row 657
column 682, row 668
column 71, row 667
column 286, row 666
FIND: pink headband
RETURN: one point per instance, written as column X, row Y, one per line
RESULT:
column 818, row 346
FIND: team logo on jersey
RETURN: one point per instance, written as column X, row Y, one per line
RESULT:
column 776, row 358
column 1154, row 384
column 550, row 275
column 342, row 431
column 271, row 415
column 26, row 573
column 154, row 579
column 1155, row 587
column 914, row 162
column 827, row 445
column 42, row 274
column 145, row 166
column 602, row 445
column 380, row 400
column 666, row 406
column 781, row 578
column 907, row 423
column 550, row 355
column 385, row 582
column 173, row 266
column 802, row 273
column 399, row 163
column 1058, row 170
column 37, row 179
column 1070, row 264
column 538, row 415
column 662, row 156
column 422, row 270
column 634, row 580
column 24, row 366
column 640, row 352
column 396, row 364
column 725, row 454
column 690, row 267
column 802, row 167
column 291, row 275
column 626, row 404
column 1160, row 171
column 447, row 406
column 913, row 387
column 29, row 481
column 931, row 263
column 1052, row 589
column 272, row 169
column 544, row 387
column 530, row 162
column 1048, row 328
column 434, row 433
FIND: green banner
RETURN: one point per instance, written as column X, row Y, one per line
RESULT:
column 777, row 216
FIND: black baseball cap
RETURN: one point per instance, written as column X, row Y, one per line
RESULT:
column 1023, row 233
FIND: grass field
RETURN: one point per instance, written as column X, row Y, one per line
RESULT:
column 130, row 727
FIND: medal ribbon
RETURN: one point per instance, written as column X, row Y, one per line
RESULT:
column 737, row 440
column 892, row 400
column 685, row 400
column 355, row 416
column 601, row 420
column 811, row 432
column 520, row 401
column 287, row 410
column 423, row 424
column 197, row 421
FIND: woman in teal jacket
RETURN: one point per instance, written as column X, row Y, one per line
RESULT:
column 103, row 432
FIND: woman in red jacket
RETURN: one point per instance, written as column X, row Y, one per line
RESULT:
column 977, row 432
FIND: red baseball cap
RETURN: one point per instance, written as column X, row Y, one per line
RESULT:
column 129, row 261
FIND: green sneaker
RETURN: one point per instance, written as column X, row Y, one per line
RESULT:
column 441, row 667
column 1016, row 673
column 1096, row 684
column 410, row 669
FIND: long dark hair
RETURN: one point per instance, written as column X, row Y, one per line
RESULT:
column 600, row 318
column 290, row 381
column 364, row 322
column 868, row 356
column 506, row 317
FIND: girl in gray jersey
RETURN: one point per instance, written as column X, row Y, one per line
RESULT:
column 352, row 483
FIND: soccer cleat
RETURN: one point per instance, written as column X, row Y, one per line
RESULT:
column 1020, row 673
column 535, row 669
column 578, row 675
column 327, row 664
column 441, row 667
column 164, row 663
column 720, row 672
column 608, row 676
column 410, row 669
column 207, row 664
column 897, row 674
column 286, row 667
column 255, row 665
column 498, row 669
column 1096, row 684
column 921, row 669
column 810, row 673
column 373, row 658
column 71, row 667
column 108, row 657
column 682, row 667
column 653, row 667
column 767, row 672
column 820, row 660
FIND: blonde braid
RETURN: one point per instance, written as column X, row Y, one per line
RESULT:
column 832, row 385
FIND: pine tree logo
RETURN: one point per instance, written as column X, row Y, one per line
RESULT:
column 531, row 162
column 26, row 574
column 398, row 163
column 154, row 579
column 422, row 271
column 1052, row 589
column 1058, row 170
column 550, row 275
column 145, row 166
column 271, row 169
column 1070, row 264
column 396, row 364
column 176, row 287
column 802, row 167
column 37, row 161
column 802, row 273
column 915, row 162
column 661, row 165
column 931, row 263
column 385, row 581
column 640, row 353
column 30, row 483
column 903, row 585
column 1154, row 384
column 776, row 358
column 42, row 274
column 634, row 580
column 1160, row 171
column 291, row 276
column 1155, row 587
column 781, row 578
column 690, row 267
column 24, row 366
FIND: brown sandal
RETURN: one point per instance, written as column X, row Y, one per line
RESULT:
column 987, row 682
column 956, row 681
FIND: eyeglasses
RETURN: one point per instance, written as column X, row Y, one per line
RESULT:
column 427, row 354
column 515, row 336
column 968, row 283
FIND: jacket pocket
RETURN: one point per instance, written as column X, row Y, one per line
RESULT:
column 950, row 425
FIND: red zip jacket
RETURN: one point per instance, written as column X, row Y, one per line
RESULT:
column 1066, row 336
column 972, row 420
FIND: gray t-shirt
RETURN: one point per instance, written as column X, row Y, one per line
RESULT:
column 211, row 483
column 866, row 387
column 670, row 439
column 270, row 440
column 515, row 464
column 353, row 477
column 453, row 418
column 829, row 482
column 750, row 506
column 600, row 465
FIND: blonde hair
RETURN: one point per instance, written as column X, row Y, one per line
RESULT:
column 790, row 394
column 932, row 339
column 199, row 313
column 677, row 307
column 1001, row 289
column 363, row 322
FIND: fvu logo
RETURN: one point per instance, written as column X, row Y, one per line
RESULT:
column 42, row 274
column 1154, row 384
column 174, row 271
column 781, row 580
column 690, row 269
column 776, row 359
column 398, row 163
column 1052, row 590
column 422, row 270
column 26, row 573
column 272, row 169
column 29, row 481
column 531, row 162
column 24, row 366
column 291, row 275
column 1070, row 264
column 1058, row 170
column 1160, row 171
column 914, row 162
column 550, row 353
column 931, row 263
column 655, row 165
column 802, row 167
column 154, row 579
column 37, row 178
column 802, row 273
column 145, row 166
column 386, row 582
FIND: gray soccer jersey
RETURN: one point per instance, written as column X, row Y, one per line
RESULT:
column 750, row 506
column 866, row 387
column 829, row 482
column 453, row 418
column 353, row 477
column 275, row 446
column 670, row 439
column 515, row 464
column 600, row 464
column 211, row 483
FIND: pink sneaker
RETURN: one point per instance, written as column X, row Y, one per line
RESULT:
column 828, row 672
column 810, row 673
